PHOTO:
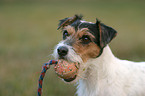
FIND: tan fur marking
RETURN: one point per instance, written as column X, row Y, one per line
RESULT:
column 86, row 51
column 84, row 31
column 90, row 50
column 70, row 29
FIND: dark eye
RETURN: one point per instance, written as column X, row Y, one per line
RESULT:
column 86, row 39
column 65, row 34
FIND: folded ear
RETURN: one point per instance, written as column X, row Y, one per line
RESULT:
column 68, row 21
column 62, row 23
column 106, row 34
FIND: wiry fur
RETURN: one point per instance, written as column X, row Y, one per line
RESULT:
column 72, row 55
column 110, row 76
column 104, row 75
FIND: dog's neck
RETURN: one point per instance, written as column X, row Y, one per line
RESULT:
column 97, row 70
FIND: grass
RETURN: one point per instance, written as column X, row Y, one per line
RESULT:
column 28, row 35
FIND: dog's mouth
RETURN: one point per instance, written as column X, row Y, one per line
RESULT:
column 67, row 70
column 70, row 79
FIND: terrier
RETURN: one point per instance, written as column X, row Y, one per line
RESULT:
column 100, row 72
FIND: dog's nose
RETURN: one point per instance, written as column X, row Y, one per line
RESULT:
column 62, row 50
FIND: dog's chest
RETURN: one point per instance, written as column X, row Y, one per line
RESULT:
column 101, row 88
column 123, row 78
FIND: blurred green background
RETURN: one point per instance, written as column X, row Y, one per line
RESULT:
column 28, row 35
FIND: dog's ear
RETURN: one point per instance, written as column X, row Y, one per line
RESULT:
column 68, row 21
column 106, row 33
column 62, row 23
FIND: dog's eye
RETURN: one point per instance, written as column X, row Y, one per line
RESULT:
column 86, row 39
column 65, row 34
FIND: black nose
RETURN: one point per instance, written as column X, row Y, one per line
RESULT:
column 62, row 51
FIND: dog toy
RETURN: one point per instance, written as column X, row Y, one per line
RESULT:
column 63, row 69
column 66, row 70
column 44, row 69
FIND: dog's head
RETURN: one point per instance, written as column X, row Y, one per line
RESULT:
column 82, row 40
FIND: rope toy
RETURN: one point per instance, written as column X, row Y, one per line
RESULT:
column 66, row 70
column 44, row 69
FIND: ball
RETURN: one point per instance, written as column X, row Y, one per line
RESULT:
column 66, row 70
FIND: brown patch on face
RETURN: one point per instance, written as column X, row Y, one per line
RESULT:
column 86, row 51
column 84, row 31
column 70, row 29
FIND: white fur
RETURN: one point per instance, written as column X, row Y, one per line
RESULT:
column 110, row 76
column 82, row 21
column 107, row 75
column 71, row 56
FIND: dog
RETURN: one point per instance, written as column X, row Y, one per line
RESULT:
column 100, row 72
